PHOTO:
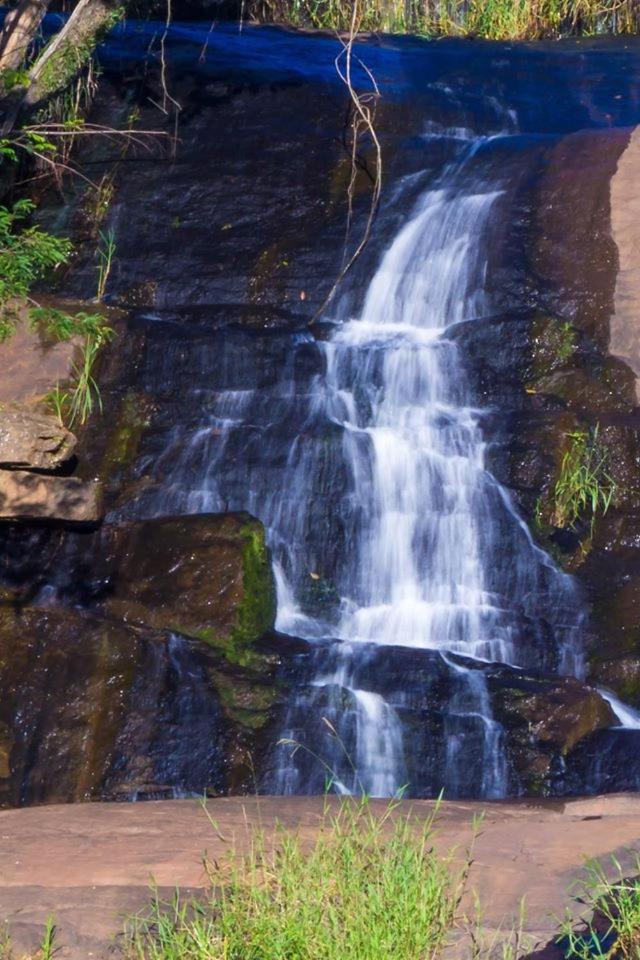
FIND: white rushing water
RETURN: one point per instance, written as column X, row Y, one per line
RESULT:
column 627, row 717
column 432, row 521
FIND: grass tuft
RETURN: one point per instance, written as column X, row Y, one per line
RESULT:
column 612, row 931
column 584, row 487
column 368, row 887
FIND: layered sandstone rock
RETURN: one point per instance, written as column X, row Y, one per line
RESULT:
column 32, row 440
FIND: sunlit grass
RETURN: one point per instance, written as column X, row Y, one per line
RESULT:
column 367, row 887
column 492, row 19
column 584, row 487
column 612, row 906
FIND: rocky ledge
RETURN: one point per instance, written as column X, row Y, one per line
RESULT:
column 89, row 865
column 35, row 449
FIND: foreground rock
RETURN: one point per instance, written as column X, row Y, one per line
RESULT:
column 36, row 496
column 152, row 670
column 89, row 865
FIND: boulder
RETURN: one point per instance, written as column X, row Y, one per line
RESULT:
column 95, row 709
column 36, row 496
column 32, row 440
column 560, row 713
column 204, row 576
column 546, row 721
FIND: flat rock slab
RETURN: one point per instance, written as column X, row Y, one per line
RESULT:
column 91, row 864
column 36, row 496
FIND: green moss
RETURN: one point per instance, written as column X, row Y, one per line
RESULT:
column 124, row 441
column 257, row 610
column 553, row 342
column 255, row 613
column 245, row 700
column 64, row 64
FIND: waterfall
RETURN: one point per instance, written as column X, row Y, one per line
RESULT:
column 396, row 552
column 428, row 531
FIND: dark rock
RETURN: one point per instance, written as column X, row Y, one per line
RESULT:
column 219, row 562
column 143, row 712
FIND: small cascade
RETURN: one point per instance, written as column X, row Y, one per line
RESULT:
column 627, row 717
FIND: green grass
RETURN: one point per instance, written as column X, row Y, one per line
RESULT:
column 584, row 487
column 105, row 253
column 366, row 888
column 493, row 19
column 612, row 906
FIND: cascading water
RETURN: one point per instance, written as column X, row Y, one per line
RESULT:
column 429, row 533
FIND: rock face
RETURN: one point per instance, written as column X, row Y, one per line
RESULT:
column 36, row 496
column 547, row 724
column 107, row 702
column 142, row 712
column 31, row 440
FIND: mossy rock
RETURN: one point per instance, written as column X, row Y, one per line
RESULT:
column 95, row 708
column 132, row 419
column 204, row 576
column 553, row 342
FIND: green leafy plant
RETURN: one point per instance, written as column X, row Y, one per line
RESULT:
column 584, row 487
column 26, row 255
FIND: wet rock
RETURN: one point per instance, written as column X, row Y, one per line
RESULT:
column 559, row 712
column 621, row 675
column 35, row 496
column 205, row 576
column 546, row 720
column 32, row 440
column 92, row 708
column 603, row 762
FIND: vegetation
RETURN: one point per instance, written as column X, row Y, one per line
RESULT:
column 584, row 487
column 612, row 930
column 106, row 253
column 493, row 19
column 25, row 256
column 369, row 887
column 46, row 950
